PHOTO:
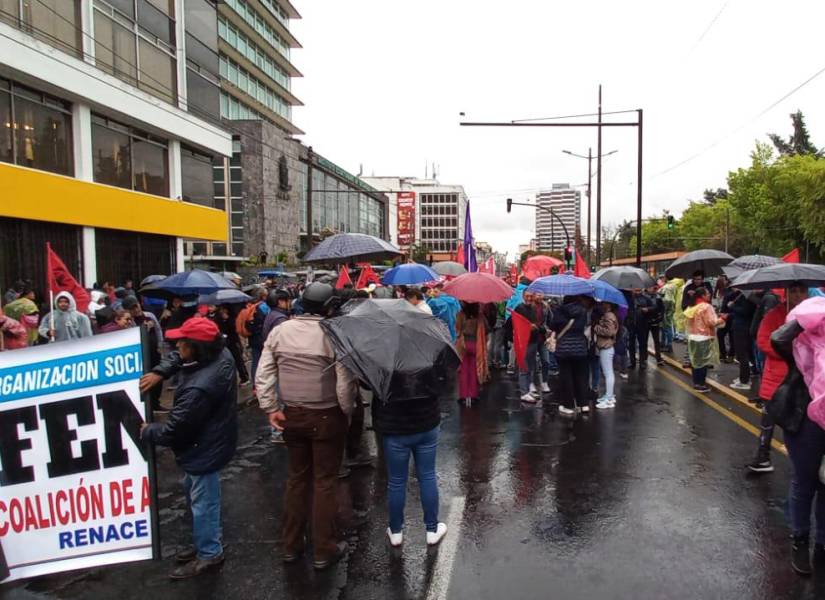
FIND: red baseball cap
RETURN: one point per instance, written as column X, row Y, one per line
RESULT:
column 196, row 329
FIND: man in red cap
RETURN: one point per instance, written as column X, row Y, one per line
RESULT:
column 202, row 430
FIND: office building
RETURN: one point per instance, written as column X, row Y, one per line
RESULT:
column 565, row 202
column 112, row 135
column 434, row 219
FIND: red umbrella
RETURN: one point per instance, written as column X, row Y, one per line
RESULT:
column 478, row 287
column 540, row 266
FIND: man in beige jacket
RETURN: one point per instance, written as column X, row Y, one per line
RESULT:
column 309, row 396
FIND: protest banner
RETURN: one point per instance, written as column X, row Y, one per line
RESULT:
column 76, row 484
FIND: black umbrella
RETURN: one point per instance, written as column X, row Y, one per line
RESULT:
column 399, row 351
column 625, row 278
column 344, row 247
column 747, row 263
column 710, row 262
column 781, row 275
column 187, row 284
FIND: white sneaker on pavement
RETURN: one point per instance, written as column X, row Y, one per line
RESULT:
column 434, row 537
column 566, row 412
column 737, row 385
column 396, row 539
column 528, row 397
column 532, row 388
column 544, row 387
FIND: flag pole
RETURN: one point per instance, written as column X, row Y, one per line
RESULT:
column 51, row 291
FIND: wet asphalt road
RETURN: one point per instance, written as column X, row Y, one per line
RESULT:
column 648, row 500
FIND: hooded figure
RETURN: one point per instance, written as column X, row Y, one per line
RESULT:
column 25, row 311
column 69, row 324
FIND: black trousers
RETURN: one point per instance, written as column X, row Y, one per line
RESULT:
column 637, row 336
column 574, row 374
column 726, row 342
column 656, row 332
column 743, row 345
column 237, row 354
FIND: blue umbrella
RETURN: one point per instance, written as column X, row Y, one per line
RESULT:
column 411, row 274
column 224, row 297
column 189, row 283
column 607, row 293
column 150, row 279
column 562, row 285
column 343, row 247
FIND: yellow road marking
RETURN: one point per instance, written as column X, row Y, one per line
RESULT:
column 780, row 447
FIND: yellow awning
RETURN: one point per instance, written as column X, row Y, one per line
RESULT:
column 40, row 196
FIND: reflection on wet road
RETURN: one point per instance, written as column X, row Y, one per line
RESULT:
column 648, row 500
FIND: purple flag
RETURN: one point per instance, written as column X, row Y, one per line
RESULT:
column 469, row 243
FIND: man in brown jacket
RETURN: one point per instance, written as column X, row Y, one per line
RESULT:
column 309, row 396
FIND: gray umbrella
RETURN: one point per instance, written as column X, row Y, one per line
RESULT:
column 625, row 278
column 747, row 263
column 781, row 275
column 344, row 247
column 710, row 262
column 450, row 268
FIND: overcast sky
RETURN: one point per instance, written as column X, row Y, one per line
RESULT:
column 385, row 80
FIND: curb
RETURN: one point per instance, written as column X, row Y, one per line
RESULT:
column 722, row 389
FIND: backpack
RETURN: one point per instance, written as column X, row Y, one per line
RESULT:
column 245, row 318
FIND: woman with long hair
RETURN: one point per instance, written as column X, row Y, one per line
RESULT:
column 569, row 324
column 471, row 344
column 606, row 329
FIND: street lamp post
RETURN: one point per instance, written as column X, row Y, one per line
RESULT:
column 510, row 204
column 589, row 158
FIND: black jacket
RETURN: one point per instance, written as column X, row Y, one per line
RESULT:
column 256, row 328
column 202, row 427
column 406, row 417
column 528, row 311
column 789, row 405
column 687, row 299
column 741, row 312
column 573, row 344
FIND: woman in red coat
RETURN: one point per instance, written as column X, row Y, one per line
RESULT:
column 773, row 373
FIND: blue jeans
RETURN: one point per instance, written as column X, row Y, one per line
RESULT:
column 253, row 367
column 667, row 335
column 397, row 449
column 758, row 358
column 203, row 494
column 806, row 448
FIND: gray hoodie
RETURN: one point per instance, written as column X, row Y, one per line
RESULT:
column 69, row 324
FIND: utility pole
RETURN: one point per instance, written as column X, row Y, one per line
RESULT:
column 589, row 182
column 599, row 182
column 639, row 196
column 309, row 199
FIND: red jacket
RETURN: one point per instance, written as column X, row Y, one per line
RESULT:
column 775, row 368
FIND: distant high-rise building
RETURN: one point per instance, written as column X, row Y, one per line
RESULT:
column 565, row 202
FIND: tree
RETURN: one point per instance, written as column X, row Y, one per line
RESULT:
column 711, row 196
column 800, row 141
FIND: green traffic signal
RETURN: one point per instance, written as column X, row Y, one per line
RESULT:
column 670, row 222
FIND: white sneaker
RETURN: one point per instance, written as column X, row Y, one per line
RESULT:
column 528, row 397
column 532, row 388
column 735, row 381
column 605, row 403
column 396, row 539
column 566, row 412
column 585, row 408
column 544, row 387
column 433, row 538
column 737, row 385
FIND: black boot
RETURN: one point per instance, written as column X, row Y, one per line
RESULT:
column 801, row 555
column 819, row 558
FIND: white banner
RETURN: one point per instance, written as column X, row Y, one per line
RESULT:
column 74, row 479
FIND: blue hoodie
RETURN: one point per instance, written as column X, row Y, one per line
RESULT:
column 515, row 300
column 446, row 308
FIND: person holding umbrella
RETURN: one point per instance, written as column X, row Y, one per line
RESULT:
column 703, row 350
column 569, row 323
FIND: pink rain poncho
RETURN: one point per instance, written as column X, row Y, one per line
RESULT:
column 809, row 353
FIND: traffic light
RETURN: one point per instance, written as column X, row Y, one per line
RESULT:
column 569, row 256
column 509, row 204
column 670, row 223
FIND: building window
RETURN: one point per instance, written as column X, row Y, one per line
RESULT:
column 251, row 85
column 232, row 108
column 55, row 22
column 128, row 158
column 135, row 42
column 38, row 129
column 252, row 52
column 257, row 22
column 197, row 177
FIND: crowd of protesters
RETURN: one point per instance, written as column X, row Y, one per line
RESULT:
column 315, row 406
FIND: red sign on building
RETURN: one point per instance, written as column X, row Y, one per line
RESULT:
column 406, row 218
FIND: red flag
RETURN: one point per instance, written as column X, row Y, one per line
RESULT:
column 513, row 274
column 459, row 253
column 581, row 269
column 367, row 276
column 522, row 328
column 60, row 279
column 343, row 278
column 792, row 256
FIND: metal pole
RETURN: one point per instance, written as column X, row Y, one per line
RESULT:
column 309, row 199
column 599, row 183
column 639, row 198
column 589, row 182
